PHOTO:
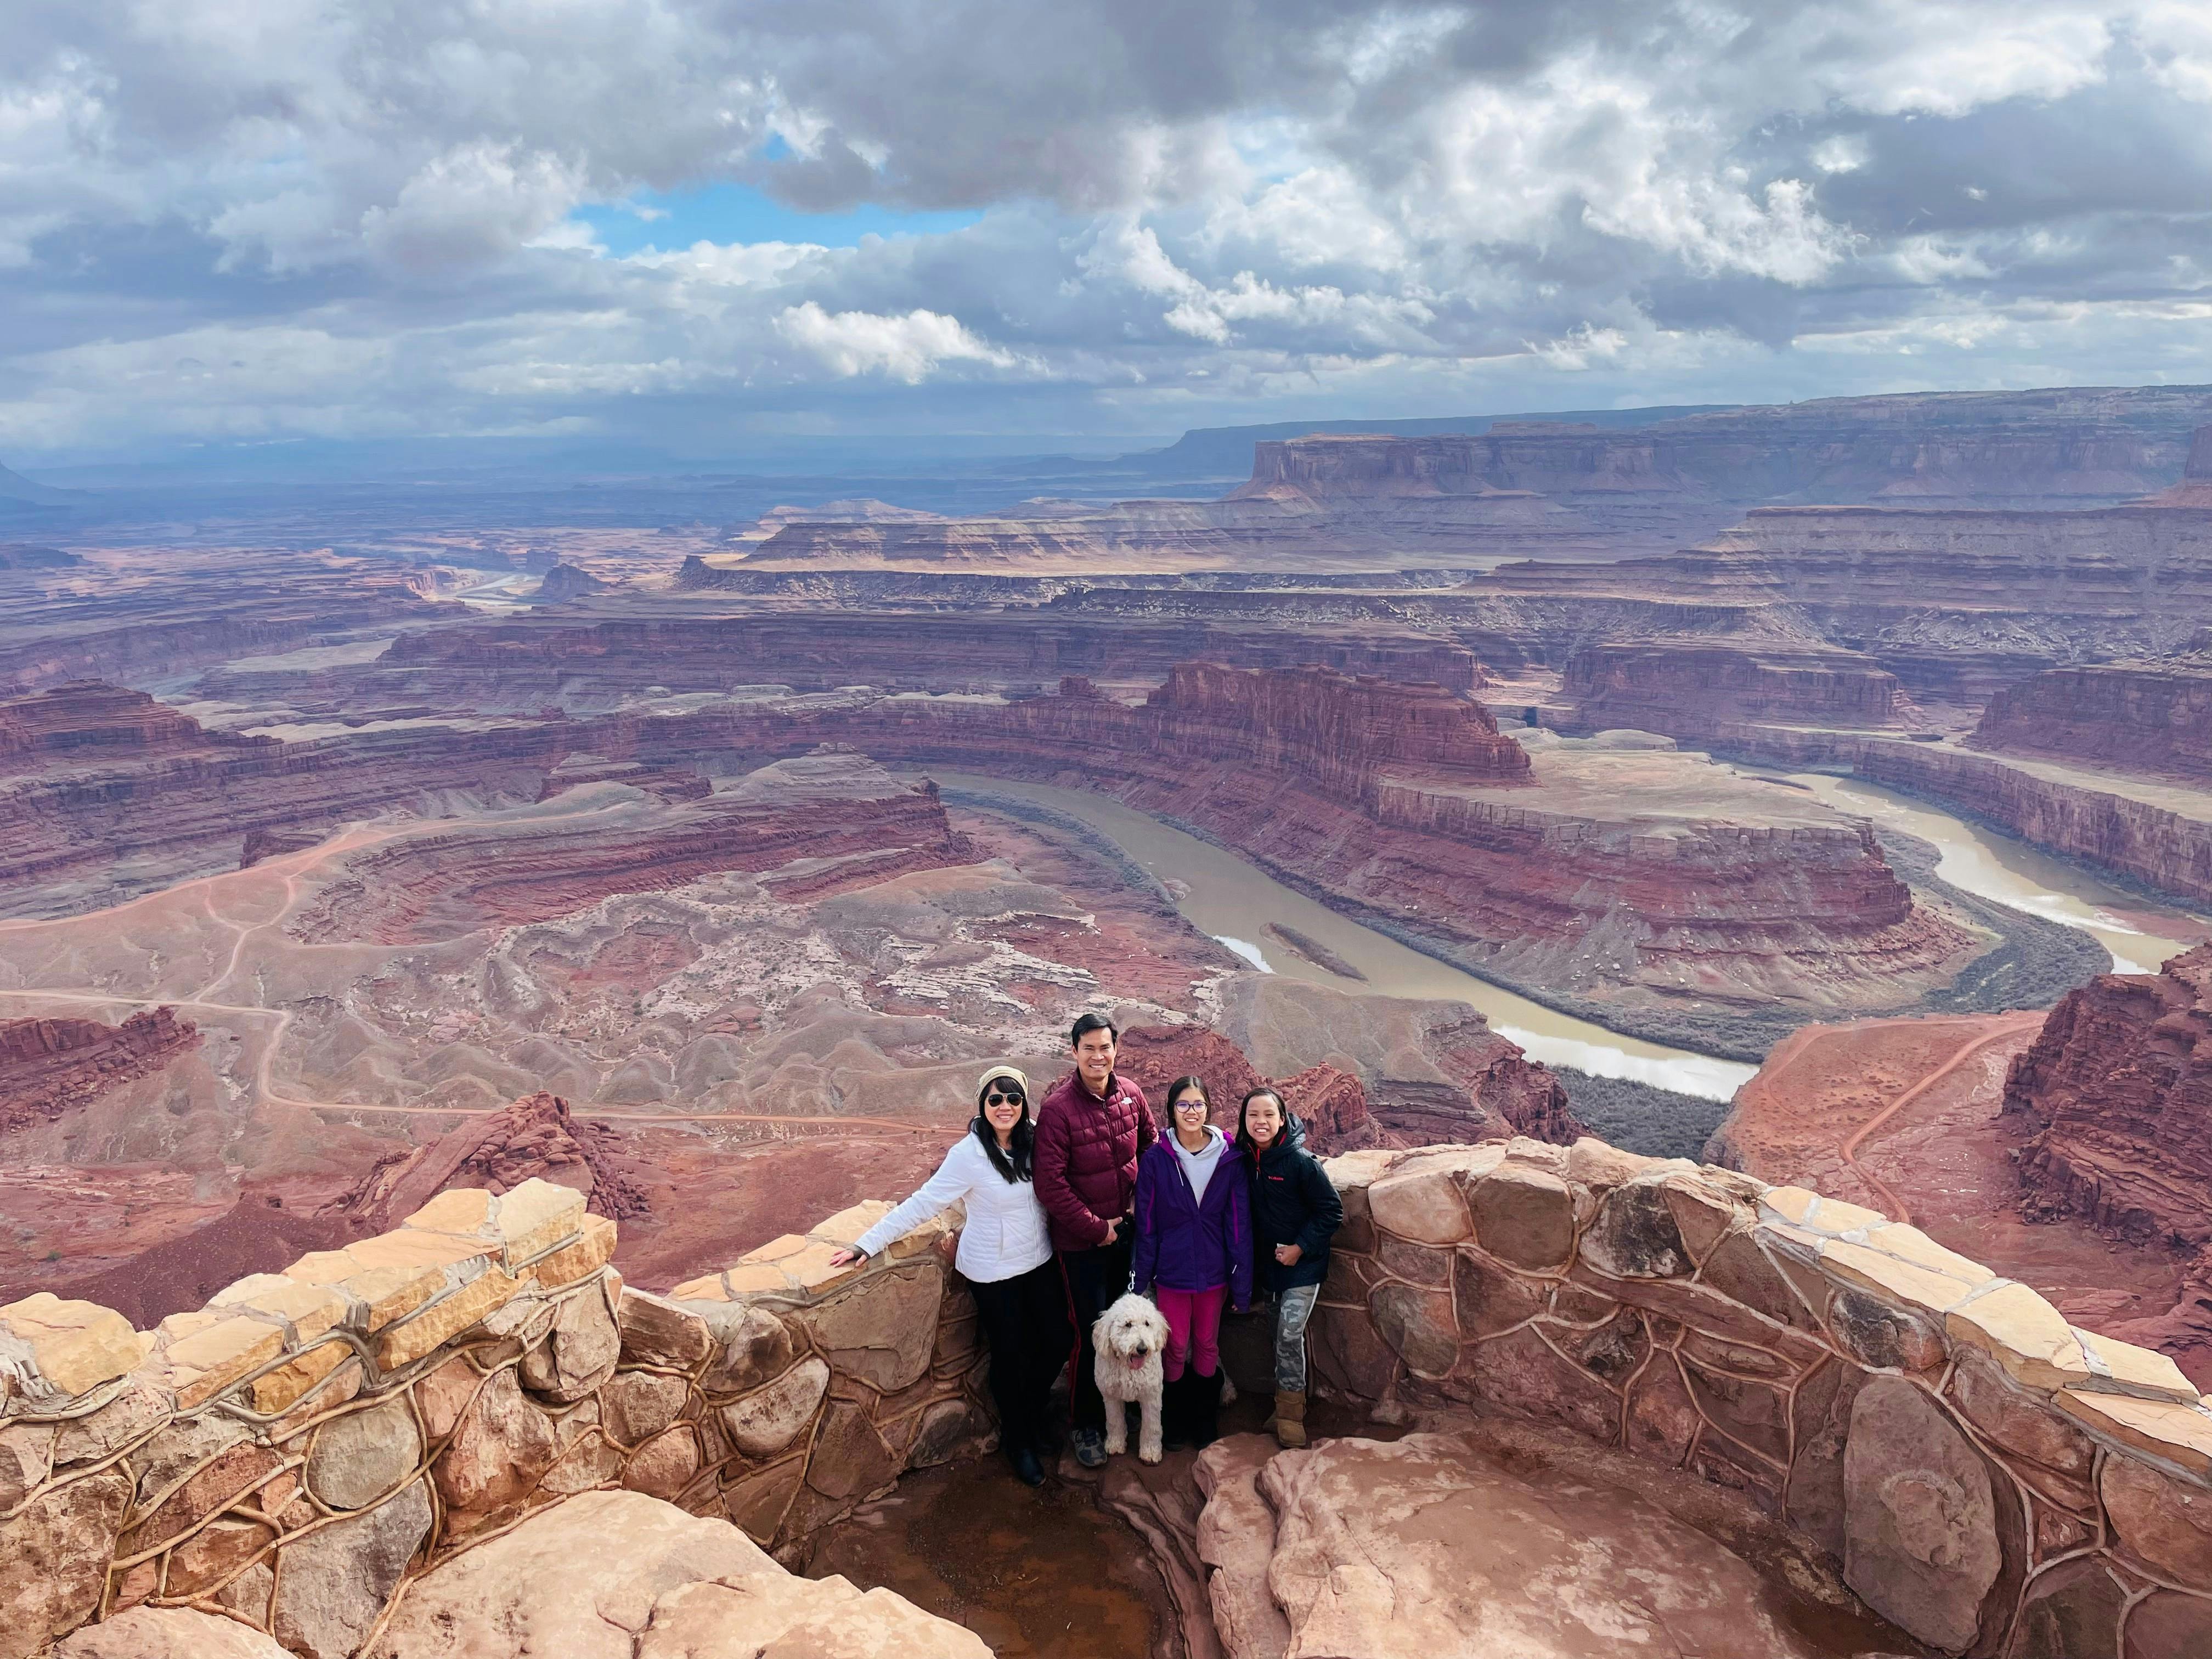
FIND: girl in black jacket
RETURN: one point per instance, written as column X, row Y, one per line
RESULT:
column 1294, row 1211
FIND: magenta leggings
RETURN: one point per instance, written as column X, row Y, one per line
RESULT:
column 1194, row 1329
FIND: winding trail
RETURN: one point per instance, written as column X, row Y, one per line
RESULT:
column 1893, row 1206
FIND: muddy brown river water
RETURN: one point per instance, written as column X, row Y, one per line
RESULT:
column 1236, row 903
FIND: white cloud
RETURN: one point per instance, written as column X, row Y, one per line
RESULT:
column 476, row 202
column 908, row 348
column 1187, row 208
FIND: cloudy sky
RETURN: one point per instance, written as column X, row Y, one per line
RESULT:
column 227, row 219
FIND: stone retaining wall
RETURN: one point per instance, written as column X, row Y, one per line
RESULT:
column 293, row 1454
column 1990, row 1478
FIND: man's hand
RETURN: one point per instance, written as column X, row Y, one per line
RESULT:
column 1288, row 1254
column 1112, row 1230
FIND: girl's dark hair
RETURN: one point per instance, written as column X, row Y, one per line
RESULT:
column 1245, row 1141
column 1015, row 1167
column 1183, row 1083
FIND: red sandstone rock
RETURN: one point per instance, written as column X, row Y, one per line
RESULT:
column 47, row 1067
column 846, row 817
column 2148, row 717
column 138, row 616
column 537, row 1136
column 1388, row 797
column 567, row 581
column 517, row 663
column 2113, row 1105
column 661, row 781
column 1689, row 688
column 87, row 720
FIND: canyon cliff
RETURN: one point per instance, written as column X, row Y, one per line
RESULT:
column 2152, row 718
column 678, row 647
column 2112, row 1105
column 2110, row 1110
column 1643, row 878
column 1694, row 688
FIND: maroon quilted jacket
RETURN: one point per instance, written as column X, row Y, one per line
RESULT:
column 1086, row 1157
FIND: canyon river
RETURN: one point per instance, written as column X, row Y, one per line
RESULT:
column 2140, row 933
column 1236, row 904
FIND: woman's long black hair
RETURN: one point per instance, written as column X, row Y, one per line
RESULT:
column 1017, row 1166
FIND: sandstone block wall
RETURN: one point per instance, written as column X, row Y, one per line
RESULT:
column 1990, row 1478
column 295, row 1454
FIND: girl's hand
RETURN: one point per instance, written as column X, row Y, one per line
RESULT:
column 1288, row 1254
column 845, row 1258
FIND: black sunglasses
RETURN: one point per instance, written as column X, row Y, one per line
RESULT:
column 994, row 1098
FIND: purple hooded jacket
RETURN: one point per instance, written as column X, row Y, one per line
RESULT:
column 1185, row 1245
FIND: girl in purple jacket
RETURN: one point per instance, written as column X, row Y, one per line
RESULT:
column 1194, row 1253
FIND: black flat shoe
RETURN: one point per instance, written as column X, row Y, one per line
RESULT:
column 1026, row 1467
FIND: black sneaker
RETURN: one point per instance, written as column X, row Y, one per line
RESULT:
column 1026, row 1467
column 1090, row 1447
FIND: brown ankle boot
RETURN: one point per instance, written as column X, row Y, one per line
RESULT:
column 1290, row 1423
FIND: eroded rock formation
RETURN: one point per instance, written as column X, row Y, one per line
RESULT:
column 49, row 1066
column 1694, row 688
column 844, row 815
column 2146, row 718
column 536, row 1138
column 2113, row 1105
column 416, row 1395
column 1637, row 877
column 559, row 661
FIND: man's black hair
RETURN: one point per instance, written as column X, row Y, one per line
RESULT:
column 1086, row 1024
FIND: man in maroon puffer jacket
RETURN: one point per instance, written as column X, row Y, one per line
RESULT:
column 1090, row 1130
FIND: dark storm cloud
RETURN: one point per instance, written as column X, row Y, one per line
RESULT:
column 223, row 217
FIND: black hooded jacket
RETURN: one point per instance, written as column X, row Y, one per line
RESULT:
column 1293, row 1203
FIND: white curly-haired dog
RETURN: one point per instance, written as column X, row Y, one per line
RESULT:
column 1129, row 1337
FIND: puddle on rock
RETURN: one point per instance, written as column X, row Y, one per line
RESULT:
column 1038, row 1575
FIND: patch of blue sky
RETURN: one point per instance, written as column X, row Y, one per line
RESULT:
column 728, row 213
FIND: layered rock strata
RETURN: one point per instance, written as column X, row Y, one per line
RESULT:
column 2159, row 837
column 2111, row 1106
column 136, row 617
column 668, row 648
column 50, row 1066
column 2147, row 718
column 1985, row 1473
column 1692, row 689
column 536, row 1138
column 1648, row 878
column 1617, row 873
column 837, row 818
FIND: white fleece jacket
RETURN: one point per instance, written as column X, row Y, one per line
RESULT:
column 1005, row 1234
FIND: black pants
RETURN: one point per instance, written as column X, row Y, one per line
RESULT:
column 1097, row 1279
column 1025, row 1320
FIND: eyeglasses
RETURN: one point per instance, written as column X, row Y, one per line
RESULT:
column 1004, row 1100
column 1190, row 1103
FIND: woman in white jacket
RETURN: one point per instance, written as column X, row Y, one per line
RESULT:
column 1005, row 1255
